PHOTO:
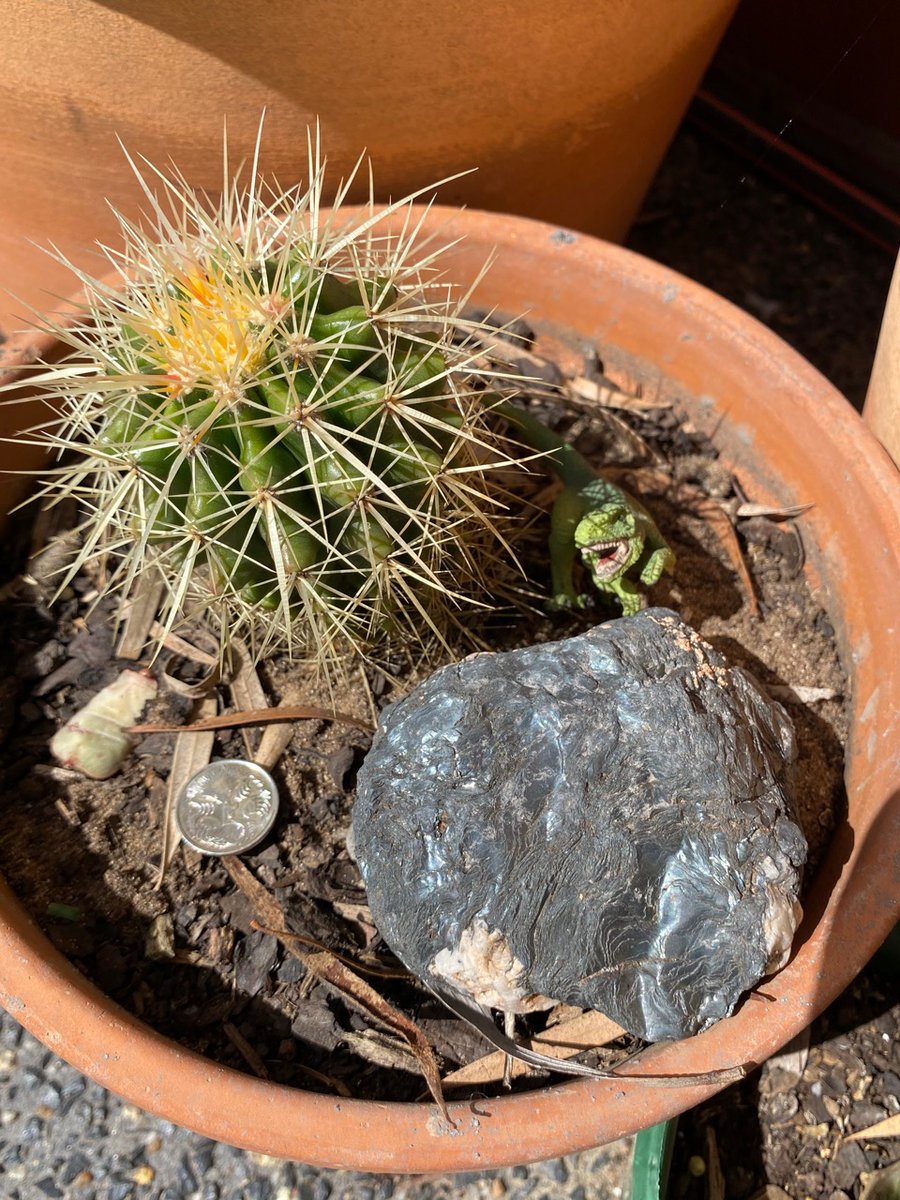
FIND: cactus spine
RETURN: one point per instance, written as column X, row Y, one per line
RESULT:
column 277, row 411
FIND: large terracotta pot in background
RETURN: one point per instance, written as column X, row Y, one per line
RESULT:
column 789, row 437
column 564, row 107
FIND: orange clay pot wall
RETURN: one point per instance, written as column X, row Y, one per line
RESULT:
column 565, row 107
column 789, row 436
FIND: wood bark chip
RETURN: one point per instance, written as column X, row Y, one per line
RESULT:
column 328, row 969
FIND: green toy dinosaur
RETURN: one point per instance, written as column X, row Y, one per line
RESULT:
column 619, row 543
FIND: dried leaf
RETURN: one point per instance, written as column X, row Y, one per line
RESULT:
column 715, row 1180
column 786, row 1069
column 880, row 1185
column 888, row 1128
column 287, row 936
column 258, row 716
column 192, row 753
column 747, row 509
column 806, row 695
column 607, row 395
column 179, row 645
column 193, row 691
column 141, row 616
column 565, row 1040
column 247, row 692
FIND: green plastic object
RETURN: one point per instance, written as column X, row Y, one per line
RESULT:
column 652, row 1161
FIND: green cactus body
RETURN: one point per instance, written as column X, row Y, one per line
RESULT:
column 284, row 423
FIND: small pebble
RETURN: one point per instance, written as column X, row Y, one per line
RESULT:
column 76, row 1167
column 48, row 1188
column 120, row 1189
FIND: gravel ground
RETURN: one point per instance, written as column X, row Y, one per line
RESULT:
column 63, row 1136
column 821, row 288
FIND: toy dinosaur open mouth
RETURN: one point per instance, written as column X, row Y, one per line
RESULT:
column 606, row 559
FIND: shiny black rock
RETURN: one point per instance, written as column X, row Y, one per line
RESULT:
column 602, row 821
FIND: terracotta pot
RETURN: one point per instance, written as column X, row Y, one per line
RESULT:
column 564, row 108
column 790, row 437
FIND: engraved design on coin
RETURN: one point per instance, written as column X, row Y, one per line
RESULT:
column 227, row 807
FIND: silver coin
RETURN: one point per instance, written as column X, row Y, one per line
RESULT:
column 227, row 807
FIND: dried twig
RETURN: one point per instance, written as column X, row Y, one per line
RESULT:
column 304, row 940
column 246, row 1051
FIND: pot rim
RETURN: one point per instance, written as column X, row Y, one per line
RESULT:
column 853, row 903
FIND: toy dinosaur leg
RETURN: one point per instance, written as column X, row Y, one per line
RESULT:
column 660, row 559
column 567, row 512
column 629, row 596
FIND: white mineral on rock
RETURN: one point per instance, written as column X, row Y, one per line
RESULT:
column 601, row 821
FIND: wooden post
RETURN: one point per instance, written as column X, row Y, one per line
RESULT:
column 882, row 407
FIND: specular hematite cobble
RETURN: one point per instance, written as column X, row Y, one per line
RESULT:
column 602, row 821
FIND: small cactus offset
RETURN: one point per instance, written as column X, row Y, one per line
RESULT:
column 277, row 411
